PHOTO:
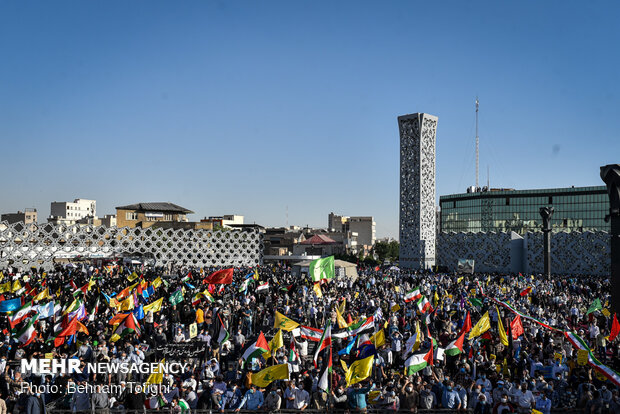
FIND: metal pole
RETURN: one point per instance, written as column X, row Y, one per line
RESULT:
column 546, row 213
column 610, row 174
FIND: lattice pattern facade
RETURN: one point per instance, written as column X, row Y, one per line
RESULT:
column 572, row 253
column 417, row 190
column 38, row 245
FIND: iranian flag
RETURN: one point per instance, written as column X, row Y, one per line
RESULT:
column 326, row 371
column 416, row 362
column 424, row 305
column 263, row 287
column 20, row 315
column 455, row 347
column 311, row 334
column 256, row 349
column 356, row 329
column 413, row 295
column 28, row 333
column 324, row 342
column 128, row 326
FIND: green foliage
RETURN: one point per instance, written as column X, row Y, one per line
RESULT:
column 387, row 250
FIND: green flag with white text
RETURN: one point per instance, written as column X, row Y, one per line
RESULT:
column 322, row 269
column 596, row 305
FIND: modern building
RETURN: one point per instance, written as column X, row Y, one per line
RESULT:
column 71, row 212
column 147, row 214
column 225, row 221
column 417, row 190
column 363, row 226
column 28, row 216
column 576, row 209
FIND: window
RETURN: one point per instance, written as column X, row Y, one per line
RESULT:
column 507, row 201
column 167, row 217
column 131, row 215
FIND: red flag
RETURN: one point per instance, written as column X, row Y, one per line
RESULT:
column 526, row 291
column 615, row 329
column 466, row 325
column 430, row 356
column 68, row 331
column 349, row 319
column 377, row 268
column 471, row 352
column 516, row 327
column 211, row 289
column 221, row 277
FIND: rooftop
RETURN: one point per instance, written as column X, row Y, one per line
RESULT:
column 319, row 239
column 156, row 206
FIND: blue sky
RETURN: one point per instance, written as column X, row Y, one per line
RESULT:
column 250, row 107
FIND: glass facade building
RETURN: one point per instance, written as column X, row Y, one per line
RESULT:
column 576, row 209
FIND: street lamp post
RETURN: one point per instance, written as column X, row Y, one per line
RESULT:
column 611, row 175
column 546, row 213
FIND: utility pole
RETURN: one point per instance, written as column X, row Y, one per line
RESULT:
column 477, row 146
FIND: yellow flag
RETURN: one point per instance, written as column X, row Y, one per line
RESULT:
column 342, row 306
column 127, row 304
column 396, row 289
column 341, row 322
column 459, row 280
column 157, row 282
column 276, row 343
column 5, row 288
column 1, row 276
column 359, row 370
column 418, row 337
column 133, row 276
column 255, row 274
column 282, row 322
column 344, row 365
column 73, row 306
column 356, row 294
column 317, row 290
column 157, row 376
column 43, row 295
column 16, row 286
column 500, row 328
column 483, row 325
column 91, row 283
column 268, row 375
column 154, row 307
column 378, row 339
column 535, row 411
column 396, row 307
column 435, row 299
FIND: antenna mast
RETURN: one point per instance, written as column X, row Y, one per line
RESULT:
column 477, row 146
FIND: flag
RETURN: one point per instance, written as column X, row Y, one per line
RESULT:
column 268, row 375
column 10, row 305
column 45, row 311
column 322, row 269
column 615, row 329
column 20, row 315
column 139, row 313
column 378, row 339
column 435, row 299
column 455, row 347
column 16, row 286
column 221, row 331
column 157, row 282
column 283, row 322
column 28, row 332
column 43, row 295
column 79, row 327
column 176, row 297
column 359, row 370
column 358, row 328
column 416, row 362
column 475, row 302
column 221, row 277
column 128, row 304
column 342, row 324
column 128, row 326
column 133, row 276
column 276, row 343
column 244, row 285
column 413, row 343
column 424, row 305
column 500, row 329
column 596, row 305
column 466, row 325
column 516, row 327
column 262, row 287
column 483, row 325
column 311, row 334
column 415, row 294
column 326, row 370
column 70, row 329
column 256, row 349
column 526, row 291
column 459, row 280
column 154, row 307
column 341, row 306
column 317, row 290
column 5, row 287
column 255, row 276
column 324, row 342
column 157, row 376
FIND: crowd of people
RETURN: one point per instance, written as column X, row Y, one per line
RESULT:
column 210, row 326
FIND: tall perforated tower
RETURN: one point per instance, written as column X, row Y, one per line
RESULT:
column 417, row 190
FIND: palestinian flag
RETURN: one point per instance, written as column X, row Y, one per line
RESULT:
column 128, row 326
column 222, row 335
column 263, row 287
column 245, row 284
column 424, row 305
column 311, row 334
column 326, row 371
column 466, row 324
column 293, row 355
column 416, row 362
column 256, row 349
column 91, row 318
column 455, row 347
column 154, row 403
column 28, row 333
column 20, row 315
column 324, row 342
column 413, row 295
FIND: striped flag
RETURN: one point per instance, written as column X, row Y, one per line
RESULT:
column 20, row 315
column 324, row 342
column 455, row 347
column 311, row 334
column 413, row 295
column 28, row 333
column 262, row 287
column 417, row 362
column 127, row 327
column 424, row 305
column 256, row 349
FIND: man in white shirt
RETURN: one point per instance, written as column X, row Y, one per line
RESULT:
column 524, row 399
column 302, row 398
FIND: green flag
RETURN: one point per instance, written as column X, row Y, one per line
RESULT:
column 176, row 298
column 476, row 302
column 596, row 305
column 322, row 269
